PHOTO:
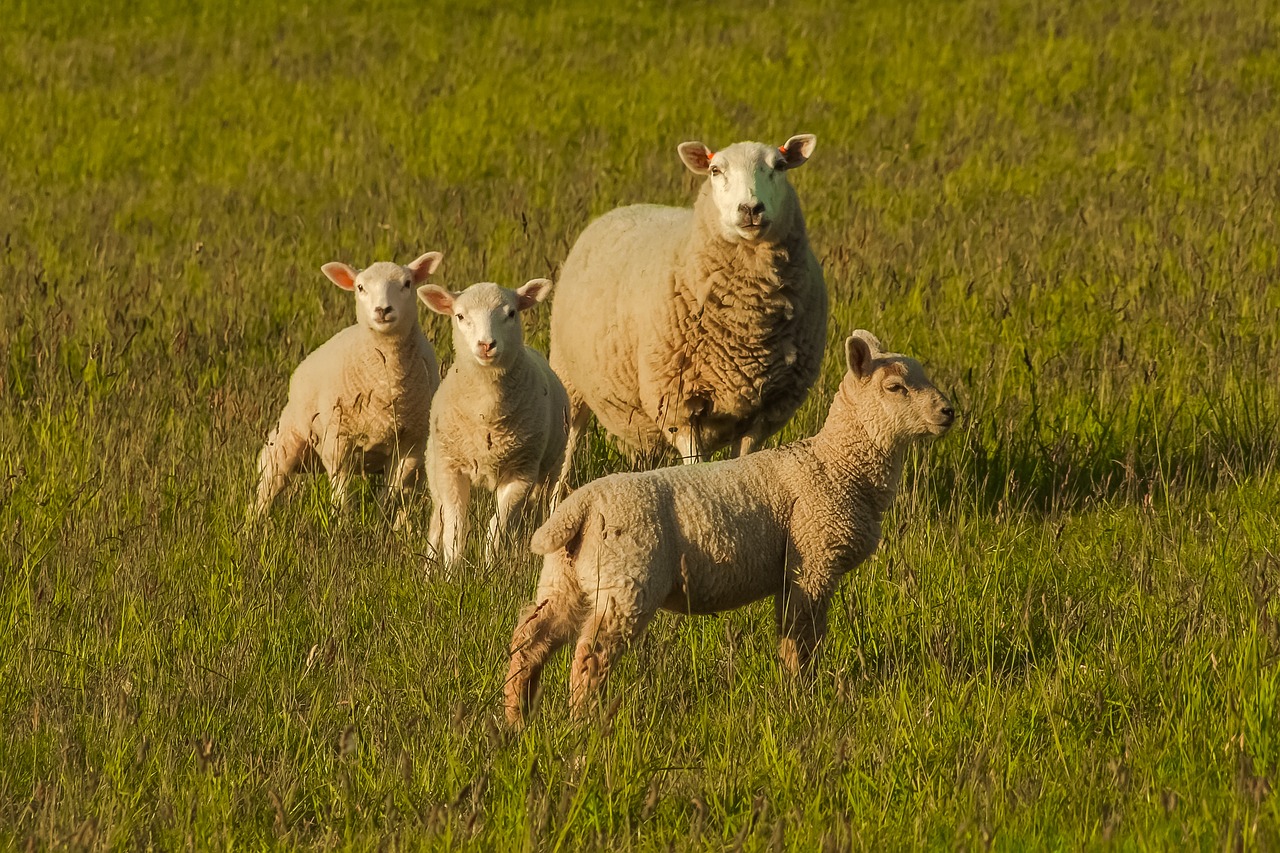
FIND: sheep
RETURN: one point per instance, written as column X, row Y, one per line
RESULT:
column 787, row 523
column 360, row 401
column 501, row 417
column 700, row 328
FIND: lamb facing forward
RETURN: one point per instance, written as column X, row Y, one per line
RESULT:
column 787, row 523
column 699, row 328
column 360, row 400
column 500, row 418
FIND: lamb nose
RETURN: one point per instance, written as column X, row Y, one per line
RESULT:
column 948, row 412
column 751, row 209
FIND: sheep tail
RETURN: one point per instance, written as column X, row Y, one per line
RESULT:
column 563, row 528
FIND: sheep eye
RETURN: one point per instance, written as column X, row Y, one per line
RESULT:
column 779, row 165
column 458, row 315
column 716, row 170
column 896, row 388
column 360, row 287
column 511, row 312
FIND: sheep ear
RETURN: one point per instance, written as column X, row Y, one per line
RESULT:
column 340, row 274
column 858, row 355
column 425, row 265
column 798, row 149
column 436, row 298
column 532, row 292
column 696, row 157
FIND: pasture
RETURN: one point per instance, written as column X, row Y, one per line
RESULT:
column 1070, row 636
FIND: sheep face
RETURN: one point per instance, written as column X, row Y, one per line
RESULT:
column 384, row 292
column 485, row 318
column 894, row 396
column 748, row 183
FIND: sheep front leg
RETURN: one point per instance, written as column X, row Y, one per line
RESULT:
column 450, row 497
column 802, row 623
column 512, row 496
column 688, row 445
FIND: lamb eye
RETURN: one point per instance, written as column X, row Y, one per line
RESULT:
column 360, row 287
column 896, row 388
column 458, row 315
column 511, row 312
column 716, row 170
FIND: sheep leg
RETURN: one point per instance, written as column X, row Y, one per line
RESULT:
column 749, row 443
column 512, row 496
column 604, row 636
column 335, row 453
column 280, row 457
column 541, row 630
column 688, row 446
column 579, row 416
column 450, row 496
column 403, row 473
column 802, row 623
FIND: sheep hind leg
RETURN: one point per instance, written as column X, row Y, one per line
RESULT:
column 541, row 630
column 579, row 417
column 605, row 635
column 280, row 457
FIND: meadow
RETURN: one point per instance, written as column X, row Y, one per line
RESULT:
column 1069, row 638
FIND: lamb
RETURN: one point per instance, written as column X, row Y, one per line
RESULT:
column 360, row 401
column 700, row 328
column 787, row 523
column 501, row 417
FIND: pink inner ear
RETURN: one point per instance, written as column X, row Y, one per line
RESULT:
column 438, row 300
column 340, row 274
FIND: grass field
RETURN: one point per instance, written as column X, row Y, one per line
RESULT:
column 1070, row 637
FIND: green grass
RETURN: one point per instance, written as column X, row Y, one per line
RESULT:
column 1069, row 638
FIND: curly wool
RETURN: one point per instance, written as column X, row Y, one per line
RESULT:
column 660, row 324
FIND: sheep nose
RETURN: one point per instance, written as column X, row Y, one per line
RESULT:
column 948, row 413
column 382, row 313
column 486, row 347
column 751, row 209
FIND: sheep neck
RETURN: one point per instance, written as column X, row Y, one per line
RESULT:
column 398, row 352
column 855, row 451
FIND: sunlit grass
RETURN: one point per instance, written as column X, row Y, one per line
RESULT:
column 1069, row 637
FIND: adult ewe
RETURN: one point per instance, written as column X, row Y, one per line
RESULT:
column 698, row 328
column 361, row 400
column 787, row 523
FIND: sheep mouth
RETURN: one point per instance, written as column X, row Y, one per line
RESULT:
column 753, row 230
column 940, row 427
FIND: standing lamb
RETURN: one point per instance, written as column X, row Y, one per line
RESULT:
column 787, row 523
column 703, row 327
column 361, row 400
column 501, row 417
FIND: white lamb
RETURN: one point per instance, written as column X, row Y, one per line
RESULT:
column 501, row 417
column 787, row 523
column 361, row 400
column 699, row 328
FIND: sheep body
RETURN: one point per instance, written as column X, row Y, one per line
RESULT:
column 788, row 522
column 500, row 418
column 360, row 401
column 676, row 329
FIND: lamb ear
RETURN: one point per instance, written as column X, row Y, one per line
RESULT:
column 425, row 265
column 858, row 354
column 532, row 292
column 437, row 298
column 798, row 149
column 696, row 157
column 340, row 274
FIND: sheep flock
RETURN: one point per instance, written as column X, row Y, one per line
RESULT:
column 684, row 332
